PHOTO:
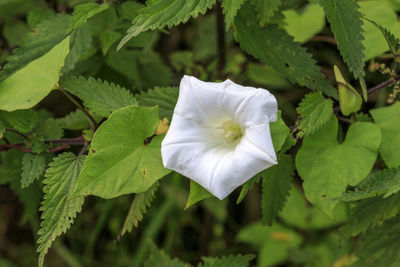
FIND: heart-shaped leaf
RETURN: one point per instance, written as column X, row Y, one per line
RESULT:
column 328, row 167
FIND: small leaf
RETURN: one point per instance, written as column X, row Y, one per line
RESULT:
column 164, row 97
column 266, row 9
column 247, row 186
column 349, row 99
column 32, row 168
column 22, row 120
column 230, row 9
column 83, row 12
column 75, row 120
column 197, row 193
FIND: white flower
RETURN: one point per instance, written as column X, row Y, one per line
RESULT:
column 219, row 134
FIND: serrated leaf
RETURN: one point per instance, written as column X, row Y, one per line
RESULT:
column 58, row 210
column 197, row 193
column 346, row 21
column 160, row 13
column 164, row 97
column 83, row 12
column 107, row 39
column 328, row 167
column 391, row 40
column 29, row 85
column 388, row 120
column 139, row 206
column 120, row 161
column 80, row 44
column 36, row 44
column 266, row 9
column 22, row 120
column 75, row 120
column 100, row 97
column 276, row 187
column 315, row 111
column 32, row 168
column 230, row 9
column 160, row 259
column 276, row 48
column 227, row 261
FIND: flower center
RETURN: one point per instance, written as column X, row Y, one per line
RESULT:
column 233, row 131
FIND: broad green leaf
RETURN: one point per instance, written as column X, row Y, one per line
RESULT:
column 160, row 13
column 197, row 193
column 388, row 119
column 349, row 99
column 139, row 206
column 328, row 167
column 58, row 210
column 83, row 12
column 385, row 182
column 100, row 97
column 160, row 259
column 230, row 9
column 266, row 9
column 164, row 97
column 120, row 160
column 266, row 76
column 276, row 48
column 315, row 111
column 32, row 168
column 22, row 120
column 227, row 261
column 276, row 187
column 80, row 44
column 305, row 23
column 29, row 85
column 346, row 21
column 37, row 43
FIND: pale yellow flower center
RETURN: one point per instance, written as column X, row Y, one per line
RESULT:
column 233, row 131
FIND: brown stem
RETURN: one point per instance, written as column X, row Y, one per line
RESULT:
column 67, row 141
column 10, row 146
column 64, row 144
column 322, row 38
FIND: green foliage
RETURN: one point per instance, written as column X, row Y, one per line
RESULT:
column 227, row 261
column 164, row 97
column 197, row 193
column 22, row 120
column 160, row 13
column 346, row 21
column 2, row 130
column 276, row 186
column 75, row 120
column 99, row 97
column 58, row 210
column 327, row 167
column 315, row 111
column 124, row 154
column 83, row 12
column 266, row 9
column 160, row 258
column 138, row 208
column 80, row 44
column 29, row 85
column 392, row 41
column 33, row 167
column 230, row 9
column 276, row 48
column 349, row 99
column 388, row 119
column 247, row 186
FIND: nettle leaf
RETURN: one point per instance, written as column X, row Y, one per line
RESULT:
column 276, row 48
column 266, row 9
column 388, row 119
column 32, row 168
column 197, row 193
column 139, row 206
column 328, row 167
column 58, row 210
column 164, row 97
column 29, row 85
column 37, row 43
column 108, row 38
column 227, row 261
column 83, row 12
column 315, row 111
column 81, row 43
column 22, row 120
column 100, row 97
column 381, row 246
column 160, row 258
column 385, row 182
column 75, row 120
column 275, row 188
column 120, row 161
column 160, row 13
column 369, row 213
column 346, row 23
column 230, row 9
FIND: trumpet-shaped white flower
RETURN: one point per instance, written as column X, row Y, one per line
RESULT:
column 219, row 134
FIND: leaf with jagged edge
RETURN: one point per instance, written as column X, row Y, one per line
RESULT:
column 315, row 111
column 45, row 36
column 100, row 97
column 76, row 120
column 164, row 97
column 59, row 211
column 83, row 12
column 276, row 48
column 160, row 13
column 159, row 258
column 385, row 182
column 230, row 9
column 371, row 212
column 275, row 188
column 266, row 9
column 80, row 44
column 346, row 23
column 392, row 41
column 139, row 206
column 227, row 261
column 381, row 246
column 22, row 120
column 32, row 168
